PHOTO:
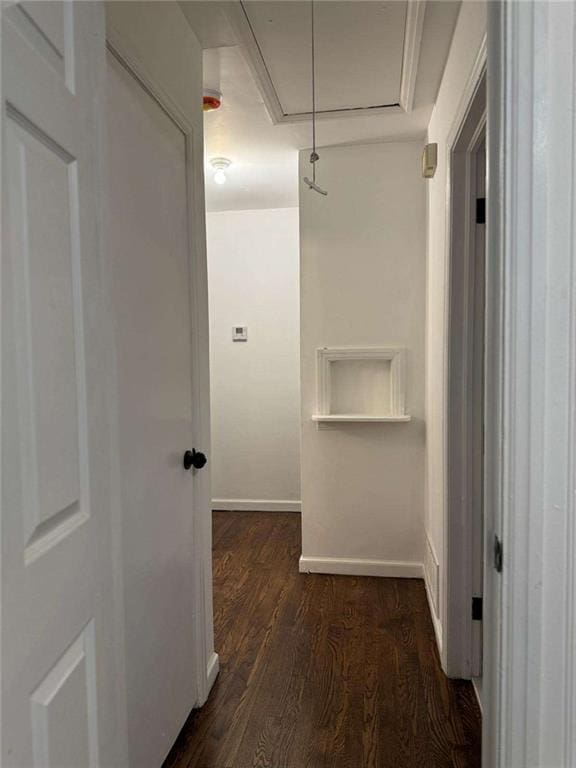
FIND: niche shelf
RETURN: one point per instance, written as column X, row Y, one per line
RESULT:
column 360, row 384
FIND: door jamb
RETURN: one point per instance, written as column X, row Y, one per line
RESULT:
column 468, row 126
column 206, row 661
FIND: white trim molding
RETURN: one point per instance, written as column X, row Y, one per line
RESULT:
column 256, row 505
column 412, row 42
column 343, row 566
column 431, row 571
column 432, row 577
column 530, row 703
column 212, row 670
column 464, row 360
column 436, row 623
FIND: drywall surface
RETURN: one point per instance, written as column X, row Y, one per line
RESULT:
column 255, row 384
column 363, row 284
column 467, row 41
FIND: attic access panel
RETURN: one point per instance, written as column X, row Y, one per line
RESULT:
column 359, row 52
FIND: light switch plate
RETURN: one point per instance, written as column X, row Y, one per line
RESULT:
column 240, row 333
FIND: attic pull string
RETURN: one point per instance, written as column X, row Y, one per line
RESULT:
column 314, row 157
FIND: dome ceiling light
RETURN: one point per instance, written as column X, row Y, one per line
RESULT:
column 220, row 165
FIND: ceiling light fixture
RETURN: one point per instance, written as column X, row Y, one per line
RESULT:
column 220, row 165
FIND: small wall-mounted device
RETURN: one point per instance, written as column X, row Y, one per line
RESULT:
column 240, row 333
column 429, row 160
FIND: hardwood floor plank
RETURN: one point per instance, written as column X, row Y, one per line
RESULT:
column 321, row 671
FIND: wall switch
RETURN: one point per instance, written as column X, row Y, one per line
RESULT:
column 240, row 333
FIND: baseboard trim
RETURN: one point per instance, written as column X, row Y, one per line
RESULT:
column 255, row 505
column 435, row 620
column 477, row 685
column 212, row 670
column 350, row 567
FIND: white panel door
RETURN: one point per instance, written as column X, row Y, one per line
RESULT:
column 59, row 705
column 148, row 249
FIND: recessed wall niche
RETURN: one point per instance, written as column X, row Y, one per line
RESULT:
column 360, row 384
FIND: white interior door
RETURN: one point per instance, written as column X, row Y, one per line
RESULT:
column 149, row 251
column 58, row 658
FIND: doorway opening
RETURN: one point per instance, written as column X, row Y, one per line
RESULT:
column 252, row 240
column 253, row 290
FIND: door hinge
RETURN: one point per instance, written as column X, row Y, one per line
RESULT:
column 480, row 210
column 476, row 609
column 498, row 554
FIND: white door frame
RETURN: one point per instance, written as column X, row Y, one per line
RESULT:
column 467, row 128
column 205, row 660
column 530, row 675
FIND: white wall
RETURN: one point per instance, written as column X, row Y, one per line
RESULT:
column 468, row 36
column 255, row 385
column 363, row 283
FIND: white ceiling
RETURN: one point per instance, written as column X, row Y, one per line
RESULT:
column 363, row 58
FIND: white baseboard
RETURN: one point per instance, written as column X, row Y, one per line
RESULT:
column 349, row 567
column 477, row 685
column 212, row 670
column 205, row 686
column 432, row 574
column 432, row 583
column 256, row 505
column 435, row 619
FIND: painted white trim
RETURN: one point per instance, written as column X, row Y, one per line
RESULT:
column 432, row 576
column 243, row 33
column 493, row 376
column 433, row 592
column 356, row 418
column 212, row 670
column 530, row 704
column 256, row 505
column 201, row 653
column 467, row 96
column 464, row 366
column 359, row 567
column 412, row 43
column 476, row 684
column 453, row 596
column 436, row 623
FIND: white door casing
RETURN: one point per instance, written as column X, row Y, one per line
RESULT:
column 464, row 371
column 478, row 160
column 59, row 690
column 530, row 671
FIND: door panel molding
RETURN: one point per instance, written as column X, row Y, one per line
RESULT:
column 59, row 665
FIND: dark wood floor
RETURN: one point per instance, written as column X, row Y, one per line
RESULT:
column 321, row 671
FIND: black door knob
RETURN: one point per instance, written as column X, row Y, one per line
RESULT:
column 194, row 459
